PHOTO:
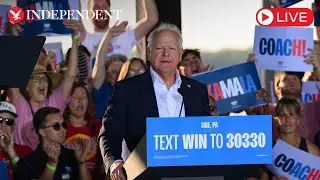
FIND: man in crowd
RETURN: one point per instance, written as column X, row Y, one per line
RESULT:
column 127, row 40
column 289, row 84
column 9, row 151
column 139, row 97
column 51, row 160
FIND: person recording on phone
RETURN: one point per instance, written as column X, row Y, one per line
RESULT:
column 9, row 151
column 155, row 93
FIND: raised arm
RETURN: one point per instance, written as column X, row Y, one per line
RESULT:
column 149, row 21
column 13, row 95
column 99, row 72
column 71, row 73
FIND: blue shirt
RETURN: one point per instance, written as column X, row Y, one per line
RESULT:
column 101, row 98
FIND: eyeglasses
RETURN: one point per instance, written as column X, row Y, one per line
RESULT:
column 7, row 121
column 37, row 79
column 57, row 126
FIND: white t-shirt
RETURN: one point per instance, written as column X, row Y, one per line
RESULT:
column 121, row 44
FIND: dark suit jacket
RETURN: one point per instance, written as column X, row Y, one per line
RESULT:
column 134, row 100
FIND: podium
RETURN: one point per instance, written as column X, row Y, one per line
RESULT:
column 145, row 162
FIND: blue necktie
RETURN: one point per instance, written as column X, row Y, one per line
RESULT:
column 3, row 171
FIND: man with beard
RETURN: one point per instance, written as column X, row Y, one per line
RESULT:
column 124, row 42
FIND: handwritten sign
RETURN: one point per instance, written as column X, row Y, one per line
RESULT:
column 234, row 88
column 212, row 140
column 283, row 48
column 294, row 163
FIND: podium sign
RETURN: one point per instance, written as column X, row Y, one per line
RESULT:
column 211, row 140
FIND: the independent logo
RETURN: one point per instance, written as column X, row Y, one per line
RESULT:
column 284, row 17
column 16, row 15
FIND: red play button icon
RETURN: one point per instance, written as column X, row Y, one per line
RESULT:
column 264, row 16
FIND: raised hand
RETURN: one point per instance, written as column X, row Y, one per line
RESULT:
column 13, row 29
column 313, row 58
column 53, row 151
column 75, row 25
column 251, row 58
column 263, row 94
column 117, row 29
column 207, row 67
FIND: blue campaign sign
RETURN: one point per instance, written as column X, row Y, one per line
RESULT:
column 234, row 88
column 47, row 26
column 211, row 140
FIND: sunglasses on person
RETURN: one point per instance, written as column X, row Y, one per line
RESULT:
column 7, row 121
column 57, row 126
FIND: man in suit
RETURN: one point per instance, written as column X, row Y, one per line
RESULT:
column 152, row 94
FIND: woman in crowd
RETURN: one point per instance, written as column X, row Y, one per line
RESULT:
column 105, row 71
column 132, row 67
column 44, row 89
column 288, row 114
column 82, row 125
column 192, row 63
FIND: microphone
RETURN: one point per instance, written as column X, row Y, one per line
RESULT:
column 182, row 90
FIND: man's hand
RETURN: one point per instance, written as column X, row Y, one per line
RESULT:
column 7, row 144
column 81, row 150
column 312, row 58
column 53, row 151
column 116, row 172
column 13, row 29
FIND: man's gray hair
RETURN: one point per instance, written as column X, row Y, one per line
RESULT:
column 164, row 27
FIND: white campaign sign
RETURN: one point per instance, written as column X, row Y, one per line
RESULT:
column 282, row 48
column 294, row 163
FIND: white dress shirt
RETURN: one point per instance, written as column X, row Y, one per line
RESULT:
column 169, row 101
